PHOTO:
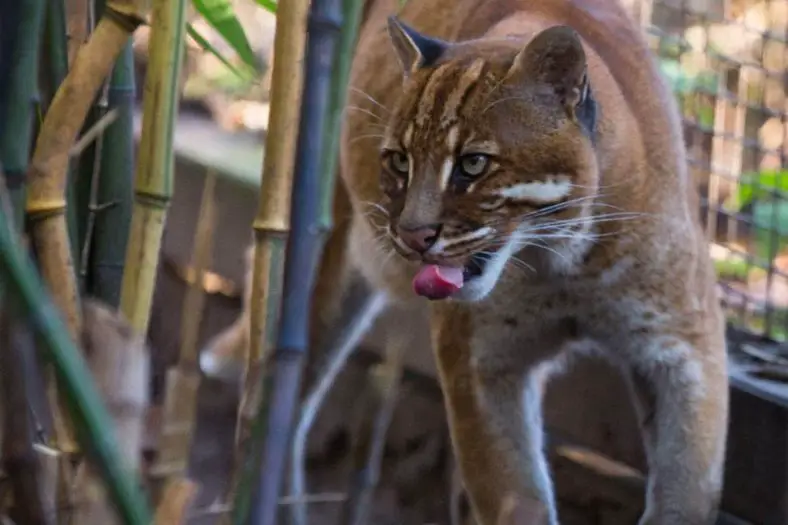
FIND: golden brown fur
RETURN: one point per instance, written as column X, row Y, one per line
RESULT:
column 589, row 227
column 623, row 271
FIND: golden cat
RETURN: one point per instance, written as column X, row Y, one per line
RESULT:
column 521, row 163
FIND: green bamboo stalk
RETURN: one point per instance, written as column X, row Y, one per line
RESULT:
column 83, row 190
column 52, row 74
column 115, row 191
column 95, row 433
column 154, row 173
column 21, row 95
column 353, row 10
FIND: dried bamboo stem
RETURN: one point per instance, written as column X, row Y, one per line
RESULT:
column 183, row 380
column 154, row 177
column 47, row 175
column 47, row 180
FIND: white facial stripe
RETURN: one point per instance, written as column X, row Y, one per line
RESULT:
column 446, row 168
column 407, row 137
column 542, row 192
column 452, row 137
column 444, row 244
column 410, row 168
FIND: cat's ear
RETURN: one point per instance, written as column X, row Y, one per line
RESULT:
column 555, row 58
column 414, row 50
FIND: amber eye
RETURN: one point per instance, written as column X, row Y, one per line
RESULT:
column 399, row 163
column 474, row 165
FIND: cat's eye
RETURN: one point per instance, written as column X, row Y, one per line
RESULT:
column 474, row 165
column 399, row 162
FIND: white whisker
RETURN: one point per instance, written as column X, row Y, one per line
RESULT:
column 369, row 97
column 367, row 136
column 365, row 111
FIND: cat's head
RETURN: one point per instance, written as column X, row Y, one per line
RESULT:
column 488, row 149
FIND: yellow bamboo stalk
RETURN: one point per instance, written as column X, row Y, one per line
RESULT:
column 153, row 178
column 46, row 203
column 183, row 380
column 272, row 223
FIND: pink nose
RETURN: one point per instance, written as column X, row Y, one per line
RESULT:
column 421, row 238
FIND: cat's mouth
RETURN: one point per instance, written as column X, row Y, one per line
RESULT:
column 439, row 281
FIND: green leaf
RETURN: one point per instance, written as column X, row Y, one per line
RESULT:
column 770, row 220
column 220, row 14
column 268, row 5
column 207, row 46
column 760, row 185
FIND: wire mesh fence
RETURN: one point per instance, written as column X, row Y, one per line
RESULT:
column 726, row 63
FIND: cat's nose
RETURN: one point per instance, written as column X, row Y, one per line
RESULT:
column 419, row 238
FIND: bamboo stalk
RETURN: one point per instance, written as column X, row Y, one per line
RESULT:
column 304, row 248
column 183, row 380
column 28, row 292
column 20, row 96
column 115, row 191
column 272, row 222
column 10, row 24
column 352, row 15
column 369, row 305
column 47, row 179
column 86, row 190
column 154, row 173
column 47, row 174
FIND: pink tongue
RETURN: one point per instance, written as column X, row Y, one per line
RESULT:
column 437, row 282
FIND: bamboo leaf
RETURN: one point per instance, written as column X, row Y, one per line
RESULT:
column 268, row 5
column 210, row 48
column 220, row 14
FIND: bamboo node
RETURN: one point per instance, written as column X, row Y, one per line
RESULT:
column 45, row 208
column 263, row 228
column 152, row 200
column 126, row 16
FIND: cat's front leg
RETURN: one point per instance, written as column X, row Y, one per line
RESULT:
column 494, row 405
column 681, row 390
